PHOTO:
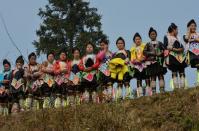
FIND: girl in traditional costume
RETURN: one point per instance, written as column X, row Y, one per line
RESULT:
column 119, row 69
column 33, row 81
column 48, row 78
column 139, row 64
column 74, row 65
column 154, row 52
column 17, row 87
column 105, row 80
column 175, row 56
column 62, row 72
column 191, row 39
column 5, row 78
column 89, row 65
column 75, row 90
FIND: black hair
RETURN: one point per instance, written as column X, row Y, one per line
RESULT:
column 136, row 35
column 120, row 38
column 75, row 49
column 63, row 51
column 20, row 60
column 31, row 54
column 104, row 40
column 152, row 30
column 50, row 53
column 90, row 43
column 172, row 27
column 5, row 61
column 192, row 21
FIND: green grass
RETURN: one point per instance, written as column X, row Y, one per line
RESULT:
column 178, row 110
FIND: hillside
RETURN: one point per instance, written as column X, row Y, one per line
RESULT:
column 178, row 110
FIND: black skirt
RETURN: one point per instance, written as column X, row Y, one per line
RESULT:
column 194, row 59
column 103, row 79
column 155, row 70
column 140, row 75
column 175, row 66
column 89, row 85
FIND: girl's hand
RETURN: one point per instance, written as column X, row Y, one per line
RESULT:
column 88, row 69
column 166, row 52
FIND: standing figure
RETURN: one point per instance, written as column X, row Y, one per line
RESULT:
column 175, row 56
column 17, row 87
column 5, row 78
column 89, row 65
column 191, row 39
column 48, row 79
column 119, row 69
column 62, row 72
column 154, row 52
column 105, row 80
column 139, row 64
column 33, row 81
column 75, row 89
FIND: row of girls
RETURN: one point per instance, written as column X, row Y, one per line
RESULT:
column 63, row 82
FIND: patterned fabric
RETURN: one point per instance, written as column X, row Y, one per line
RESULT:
column 138, row 58
column 49, row 78
column 104, row 58
column 33, row 74
column 174, row 42
column 60, row 77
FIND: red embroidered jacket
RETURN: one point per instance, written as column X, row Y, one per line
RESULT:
column 94, row 66
column 57, row 68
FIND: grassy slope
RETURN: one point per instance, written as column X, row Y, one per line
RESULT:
column 178, row 110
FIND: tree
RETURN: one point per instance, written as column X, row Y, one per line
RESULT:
column 67, row 24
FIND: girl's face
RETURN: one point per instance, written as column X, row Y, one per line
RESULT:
column 6, row 67
column 153, row 36
column 192, row 28
column 19, row 65
column 120, row 45
column 32, row 60
column 62, row 56
column 76, row 54
column 103, row 46
column 138, row 41
column 175, row 32
column 89, row 49
column 51, row 57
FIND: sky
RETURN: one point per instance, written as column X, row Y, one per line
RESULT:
column 119, row 18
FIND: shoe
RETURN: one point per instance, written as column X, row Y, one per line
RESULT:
column 139, row 92
column 58, row 102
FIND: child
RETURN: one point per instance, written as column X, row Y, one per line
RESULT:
column 192, row 41
column 62, row 72
column 104, row 57
column 119, row 68
column 89, row 65
column 154, row 52
column 48, row 78
column 175, row 60
column 4, row 87
column 18, row 85
column 138, row 63
column 75, row 89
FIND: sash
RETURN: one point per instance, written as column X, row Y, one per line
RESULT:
column 180, row 57
column 75, row 78
column 17, row 83
column 89, row 75
column 194, row 48
column 48, row 79
column 104, row 69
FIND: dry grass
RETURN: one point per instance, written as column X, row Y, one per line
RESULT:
column 178, row 110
